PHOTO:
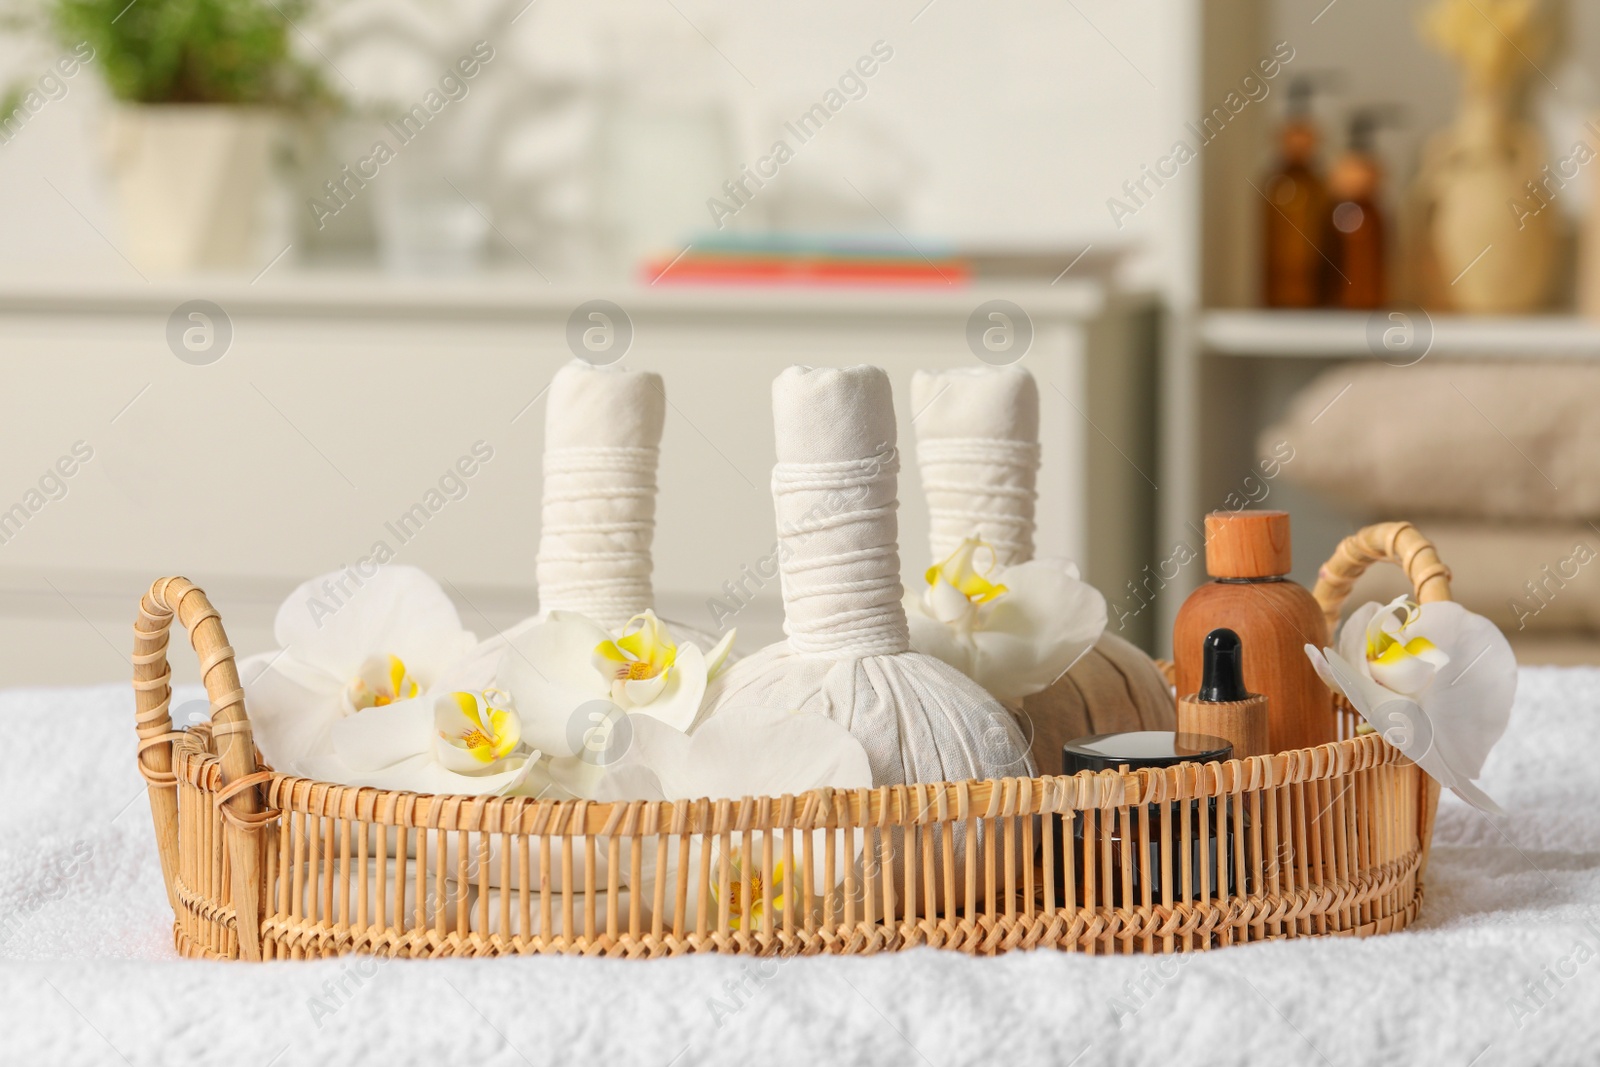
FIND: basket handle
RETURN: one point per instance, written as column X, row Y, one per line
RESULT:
column 1399, row 543
column 180, row 598
column 1404, row 545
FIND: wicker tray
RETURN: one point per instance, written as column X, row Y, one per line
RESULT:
column 1330, row 840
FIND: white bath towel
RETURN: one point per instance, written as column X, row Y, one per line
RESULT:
column 1490, row 970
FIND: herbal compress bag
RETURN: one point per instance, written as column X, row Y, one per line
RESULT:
column 602, row 449
column 978, row 454
column 979, row 458
column 848, row 653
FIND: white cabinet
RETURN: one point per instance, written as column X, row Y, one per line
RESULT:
column 342, row 402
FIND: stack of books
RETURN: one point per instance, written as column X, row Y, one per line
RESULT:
column 777, row 259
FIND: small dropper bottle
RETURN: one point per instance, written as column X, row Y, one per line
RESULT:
column 1248, row 556
column 1223, row 707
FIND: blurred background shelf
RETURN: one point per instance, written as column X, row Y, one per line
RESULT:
column 1505, row 398
column 1347, row 334
column 388, row 321
column 517, row 294
column 284, row 458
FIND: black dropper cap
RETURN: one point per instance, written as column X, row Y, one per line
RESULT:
column 1222, row 668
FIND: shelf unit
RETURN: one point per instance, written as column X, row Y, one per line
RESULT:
column 1229, row 369
column 1251, row 363
column 1347, row 335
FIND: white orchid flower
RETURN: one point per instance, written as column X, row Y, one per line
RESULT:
column 745, row 752
column 473, row 733
column 348, row 643
column 736, row 753
column 457, row 742
column 1013, row 630
column 745, row 877
column 566, row 670
column 639, row 661
column 1436, row 680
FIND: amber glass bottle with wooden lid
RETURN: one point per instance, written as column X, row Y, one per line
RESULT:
column 1247, row 556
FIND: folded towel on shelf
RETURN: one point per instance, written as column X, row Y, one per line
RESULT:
column 1505, row 441
column 1528, row 578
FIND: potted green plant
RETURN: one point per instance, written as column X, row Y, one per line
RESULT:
column 204, row 91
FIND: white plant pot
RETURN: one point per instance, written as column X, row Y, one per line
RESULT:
column 193, row 183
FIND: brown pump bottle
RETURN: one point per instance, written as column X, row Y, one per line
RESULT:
column 1357, row 237
column 1295, row 212
column 1247, row 555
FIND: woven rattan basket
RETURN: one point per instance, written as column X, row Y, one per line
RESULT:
column 260, row 865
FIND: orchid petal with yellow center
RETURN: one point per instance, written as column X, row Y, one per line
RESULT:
column 1399, row 656
column 476, row 730
column 636, row 663
column 1436, row 680
column 356, row 642
column 567, row 661
column 381, row 680
column 745, row 880
column 962, row 574
column 1013, row 630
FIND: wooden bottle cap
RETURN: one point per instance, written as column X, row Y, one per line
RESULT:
column 1247, row 544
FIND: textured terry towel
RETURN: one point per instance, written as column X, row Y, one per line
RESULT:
column 1466, row 440
column 601, row 450
column 847, row 655
column 89, row 977
column 978, row 451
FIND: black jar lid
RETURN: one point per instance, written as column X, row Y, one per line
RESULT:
column 1141, row 748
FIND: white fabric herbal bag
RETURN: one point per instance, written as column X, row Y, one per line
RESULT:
column 596, row 651
column 847, row 654
column 1012, row 623
column 602, row 439
column 602, row 448
column 601, row 452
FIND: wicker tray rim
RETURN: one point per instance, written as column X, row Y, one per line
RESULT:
column 825, row 808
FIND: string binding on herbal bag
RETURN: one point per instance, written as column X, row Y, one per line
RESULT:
column 842, row 597
column 978, row 452
column 602, row 450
